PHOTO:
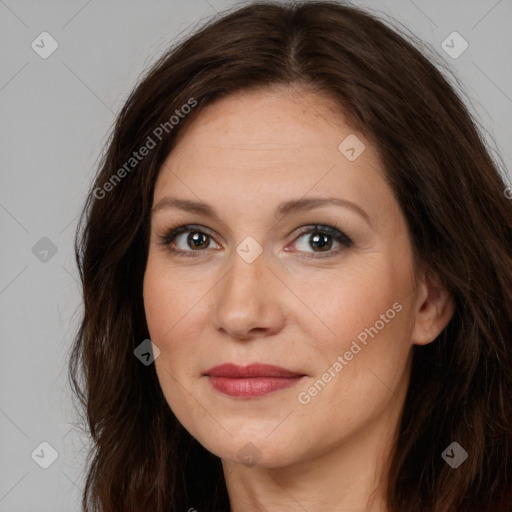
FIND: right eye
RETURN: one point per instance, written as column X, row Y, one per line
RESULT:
column 196, row 239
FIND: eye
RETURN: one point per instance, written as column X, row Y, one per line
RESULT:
column 322, row 238
column 196, row 240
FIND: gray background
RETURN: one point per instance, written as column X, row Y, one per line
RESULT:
column 55, row 116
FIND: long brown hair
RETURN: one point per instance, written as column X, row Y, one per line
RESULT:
column 453, row 198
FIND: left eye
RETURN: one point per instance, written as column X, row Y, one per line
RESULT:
column 321, row 237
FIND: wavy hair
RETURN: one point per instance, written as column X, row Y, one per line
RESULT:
column 450, row 190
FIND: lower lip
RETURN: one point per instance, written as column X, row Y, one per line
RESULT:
column 253, row 386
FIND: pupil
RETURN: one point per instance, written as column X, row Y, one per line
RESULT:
column 317, row 239
column 196, row 239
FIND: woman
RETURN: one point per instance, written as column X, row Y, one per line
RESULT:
column 300, row 214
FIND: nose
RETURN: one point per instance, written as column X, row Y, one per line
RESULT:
column 249, row 300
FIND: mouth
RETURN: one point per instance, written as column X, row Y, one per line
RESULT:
column 251, row 381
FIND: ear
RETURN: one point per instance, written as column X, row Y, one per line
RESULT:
column 433, row 310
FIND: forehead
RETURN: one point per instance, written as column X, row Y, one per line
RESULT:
column 266, row 146
column 264, row 125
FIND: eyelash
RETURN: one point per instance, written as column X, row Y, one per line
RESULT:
column 166, row 239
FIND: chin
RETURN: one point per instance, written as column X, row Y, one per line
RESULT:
column 257, row 450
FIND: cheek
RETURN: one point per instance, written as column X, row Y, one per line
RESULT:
column 370, row 313
column 361, row 369
column 362, row 344
column 176, row 302
column 171, row 299
column 345, row 303
column 170, row 303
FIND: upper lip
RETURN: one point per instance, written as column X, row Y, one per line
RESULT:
column 231, row 370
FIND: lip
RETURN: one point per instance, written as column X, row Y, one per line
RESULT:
column 250, row 381
column 253, row 370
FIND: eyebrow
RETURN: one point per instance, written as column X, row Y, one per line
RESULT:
column 284, row 209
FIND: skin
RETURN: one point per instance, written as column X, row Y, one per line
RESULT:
column 245, row 154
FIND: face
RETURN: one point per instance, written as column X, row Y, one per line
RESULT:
column 275, row 274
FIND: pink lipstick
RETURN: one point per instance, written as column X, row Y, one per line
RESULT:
column 250, row 381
